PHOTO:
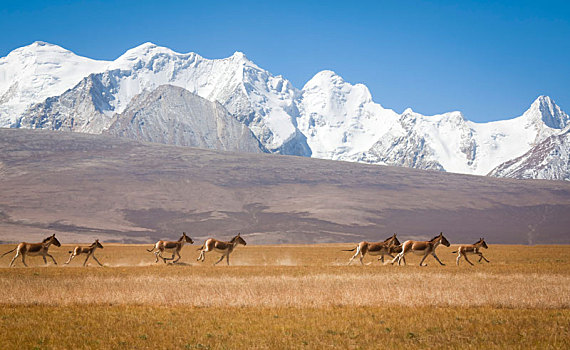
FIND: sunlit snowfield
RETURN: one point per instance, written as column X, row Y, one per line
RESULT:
column 294, row 296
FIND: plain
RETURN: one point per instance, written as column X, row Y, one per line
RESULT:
column 287, row 296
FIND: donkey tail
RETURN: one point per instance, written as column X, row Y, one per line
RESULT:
column 349, row 250
column 148, row 250
column 201, row 248
column 8, row 252
column 454, row 252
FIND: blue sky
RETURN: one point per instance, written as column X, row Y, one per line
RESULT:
column 489, row 60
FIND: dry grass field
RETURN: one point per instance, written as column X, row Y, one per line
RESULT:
column 287, row 296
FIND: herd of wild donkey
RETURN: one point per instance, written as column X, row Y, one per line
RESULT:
column 388, row 247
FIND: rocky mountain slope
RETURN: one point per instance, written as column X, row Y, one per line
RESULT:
column 173, row 115
column 550, row 159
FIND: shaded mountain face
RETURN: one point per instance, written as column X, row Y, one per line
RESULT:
column 83, row 187
column 550, row 159
column 328, row 118
column 86, row 108
column 172, row 115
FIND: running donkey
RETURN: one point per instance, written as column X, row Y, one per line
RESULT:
column 474, row 249
column 424, row 248
column 379, row 248
column 90, row 251
column 32, row 249
column 220, row 246
column 170, row 246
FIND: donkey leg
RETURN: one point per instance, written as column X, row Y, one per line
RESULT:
column 221, row 258
column 45, row 261
column 354, row 256
column 52, row 258
column 94, row 257
column 179, row 257
column 396, row 258
column 390, row 255
column 87, row 258
column 458, row 258
column 422, row 261
column 482, row 257
column 436, row 258
column 24, row 260
column 70, row 257
column 202, row 256
column 465, row 256
column 228, row 259
column 171, row 258
column 14, row 259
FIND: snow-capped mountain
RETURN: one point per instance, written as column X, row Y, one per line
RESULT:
column 45, row 86
column 340, row 120
column 32, row 73
column 549, row 160
column 173, row 115
column 450, row 142
column 263, row 102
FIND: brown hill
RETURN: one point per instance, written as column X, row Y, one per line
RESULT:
column 85, row 186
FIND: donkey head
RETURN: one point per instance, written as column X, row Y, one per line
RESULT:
column 238, row 239
column 186, row 238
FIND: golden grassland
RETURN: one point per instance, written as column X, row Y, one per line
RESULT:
column 287, row 296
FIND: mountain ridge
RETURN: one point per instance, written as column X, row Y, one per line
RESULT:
column 328, row 118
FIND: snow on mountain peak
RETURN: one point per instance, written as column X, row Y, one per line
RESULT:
column 42, row 46
column 332, row 83
column 238, row 55
column 545, row 110
column 144, row 52
column 35, row 72
column 339, row 119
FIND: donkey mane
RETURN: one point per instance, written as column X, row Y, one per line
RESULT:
column 433, row 239
column 46, row 239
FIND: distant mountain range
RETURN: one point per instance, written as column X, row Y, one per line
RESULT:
column 154, row 94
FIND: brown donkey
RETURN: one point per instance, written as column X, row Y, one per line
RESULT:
column 377, row 248
column 34, row 249
column 474, row 249
column 170, row 246
column 226, row 248
column 90, row 251
column 424, row 248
